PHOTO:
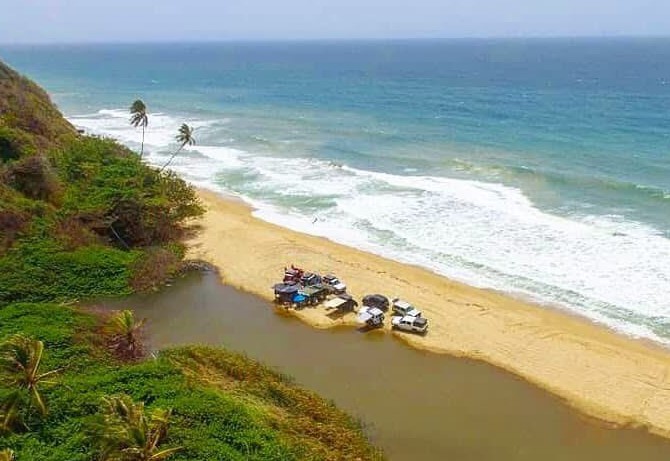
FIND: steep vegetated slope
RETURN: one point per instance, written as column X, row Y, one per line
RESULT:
column 82, row 216
column 79, row 215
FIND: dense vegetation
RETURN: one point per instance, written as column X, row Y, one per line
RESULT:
column 224, row 406
column 79, row 215
column 82, row 216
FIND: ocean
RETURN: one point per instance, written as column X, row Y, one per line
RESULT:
column 540, row 168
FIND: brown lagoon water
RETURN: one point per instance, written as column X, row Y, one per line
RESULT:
column 415, row 405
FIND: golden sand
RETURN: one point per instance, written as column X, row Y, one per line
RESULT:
column 604, row 374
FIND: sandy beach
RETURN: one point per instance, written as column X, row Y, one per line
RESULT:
column 604, row 374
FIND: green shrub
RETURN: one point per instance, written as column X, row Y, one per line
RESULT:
column 14, row 144
column 32, row 176
column 39, row 270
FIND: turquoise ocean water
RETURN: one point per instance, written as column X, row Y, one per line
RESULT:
column 536, row 167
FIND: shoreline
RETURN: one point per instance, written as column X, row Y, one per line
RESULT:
column 604, row 374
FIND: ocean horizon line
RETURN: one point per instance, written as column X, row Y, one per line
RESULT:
column 336, row 40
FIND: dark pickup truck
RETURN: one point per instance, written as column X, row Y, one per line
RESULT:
column 315, row 293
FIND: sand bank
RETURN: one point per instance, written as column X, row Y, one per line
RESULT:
column 606, row 375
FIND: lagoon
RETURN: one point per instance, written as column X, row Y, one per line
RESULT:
column 415, row 405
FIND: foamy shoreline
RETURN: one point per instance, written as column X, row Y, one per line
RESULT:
column 604, row 374
column 482, row 232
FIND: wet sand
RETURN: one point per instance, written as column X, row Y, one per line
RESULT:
column 415, row 405
column 604, row 374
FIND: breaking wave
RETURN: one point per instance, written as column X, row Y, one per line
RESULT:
column 612, row 270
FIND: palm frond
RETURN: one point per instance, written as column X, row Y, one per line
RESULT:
column 20, row 360
column 10, row 417
column 38, row 401
column 163, row 454
column 185, row 135
column 128, row 433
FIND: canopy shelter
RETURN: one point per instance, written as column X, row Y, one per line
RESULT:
column 335, row 303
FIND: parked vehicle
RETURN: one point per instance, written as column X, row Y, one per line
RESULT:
column 371, row 317
column 335, row 283
column 409, row 323
column 404, row 308
column 315, row 293
column 342, row 302
column 293, row 274
column 310, row 279
column 381, row 302
column 284, row 292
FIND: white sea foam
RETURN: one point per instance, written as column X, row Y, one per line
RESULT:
column 612, row 270
column 159, row 137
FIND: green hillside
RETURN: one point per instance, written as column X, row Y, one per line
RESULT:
column 82, row 216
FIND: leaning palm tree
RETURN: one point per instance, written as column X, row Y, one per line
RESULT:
column 125, row 330
column 126, row 432
column 7, row 455
column 139, row 117
column 20, row 359
column 184, row 137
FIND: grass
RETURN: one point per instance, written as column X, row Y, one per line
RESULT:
column 225, row 406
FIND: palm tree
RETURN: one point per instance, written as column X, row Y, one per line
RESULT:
column 184, row 137
column 139, row 117
column 126, row 331
column 126, row 432
column 7, row 455
column 20, row 359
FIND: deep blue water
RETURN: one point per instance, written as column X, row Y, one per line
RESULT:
column 539, row 167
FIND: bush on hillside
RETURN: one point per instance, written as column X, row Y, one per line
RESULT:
column 41, row 270
column 122, row 197
column 33, row 177
column 14, row 144
column 156, row 265
column 113, row 209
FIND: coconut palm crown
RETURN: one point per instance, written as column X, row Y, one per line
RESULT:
column 127, row 433
column 126, row 332
column 184, row 138
column 20, row 358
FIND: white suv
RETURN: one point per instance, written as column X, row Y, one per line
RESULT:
column 403, row 308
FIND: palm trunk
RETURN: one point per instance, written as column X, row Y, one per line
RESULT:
column 116, row 234
column 171, row 158
column 142, row 147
